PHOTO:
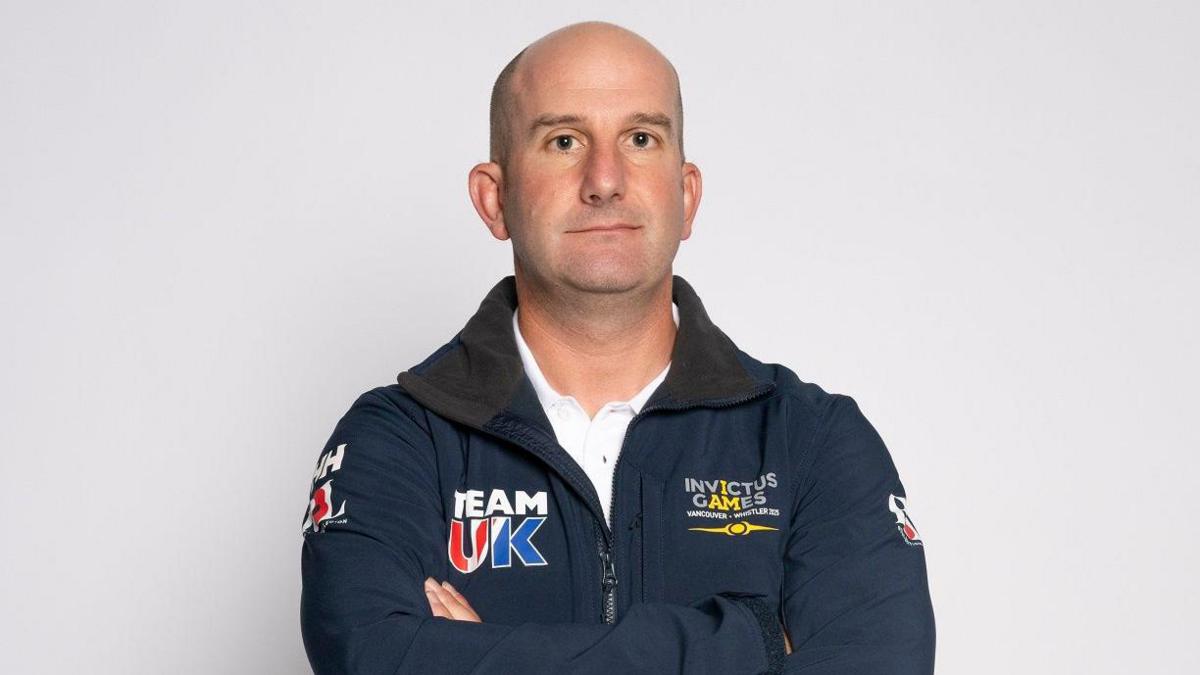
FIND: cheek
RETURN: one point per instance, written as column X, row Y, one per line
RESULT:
column 664, row 196
column 543, row 196
column 664, row 181
column 536, row 212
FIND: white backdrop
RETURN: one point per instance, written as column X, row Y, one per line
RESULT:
column 222, row 222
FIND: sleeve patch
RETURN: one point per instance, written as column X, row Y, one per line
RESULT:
column 904, row 524
column 321, row 500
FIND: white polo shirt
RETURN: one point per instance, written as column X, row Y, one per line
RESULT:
column 593, row 443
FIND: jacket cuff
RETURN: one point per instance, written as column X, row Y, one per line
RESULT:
column 772, row 628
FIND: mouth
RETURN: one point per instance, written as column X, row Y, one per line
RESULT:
column 610, row 227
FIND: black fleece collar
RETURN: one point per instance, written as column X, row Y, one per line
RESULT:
column 478, row 374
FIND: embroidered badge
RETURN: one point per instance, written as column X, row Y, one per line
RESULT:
column 903, row 523
column 320, row 502
column 501, row 535
column 729, row 499
column 734, row 529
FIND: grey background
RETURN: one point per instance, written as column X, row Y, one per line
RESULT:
column 221, row 222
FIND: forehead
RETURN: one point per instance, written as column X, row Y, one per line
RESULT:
column 593, row 80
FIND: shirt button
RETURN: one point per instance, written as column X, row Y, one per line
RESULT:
column 563, row 413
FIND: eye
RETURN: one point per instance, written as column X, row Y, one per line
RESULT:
column 642, row 139
column 563, row 143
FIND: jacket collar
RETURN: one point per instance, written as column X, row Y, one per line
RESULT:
column 478, row 375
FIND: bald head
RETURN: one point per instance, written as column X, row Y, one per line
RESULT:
column 591, row 52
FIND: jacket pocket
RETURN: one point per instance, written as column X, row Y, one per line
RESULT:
column 649, row 533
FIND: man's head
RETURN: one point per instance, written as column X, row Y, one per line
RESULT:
column 504, row 98
column 587, row 132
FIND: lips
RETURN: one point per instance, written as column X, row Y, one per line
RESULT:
column 611, row 226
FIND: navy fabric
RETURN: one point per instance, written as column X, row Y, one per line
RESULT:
column 762, row 491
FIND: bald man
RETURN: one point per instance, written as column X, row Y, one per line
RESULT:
column 590, row 476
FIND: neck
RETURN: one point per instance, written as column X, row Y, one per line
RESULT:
column 597, row 347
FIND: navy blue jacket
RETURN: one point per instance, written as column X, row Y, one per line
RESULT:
column 742, row 496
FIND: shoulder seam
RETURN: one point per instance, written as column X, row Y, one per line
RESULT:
column 377, row 393
column 815, row 443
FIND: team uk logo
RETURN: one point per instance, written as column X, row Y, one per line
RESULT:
column 501, row 526
column 903, row 523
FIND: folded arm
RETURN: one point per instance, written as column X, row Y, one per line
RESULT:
column 856, row 596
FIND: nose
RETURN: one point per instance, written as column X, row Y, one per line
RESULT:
column 604, row 176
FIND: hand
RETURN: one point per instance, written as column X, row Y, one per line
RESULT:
column 787, row 644
column 445, row 601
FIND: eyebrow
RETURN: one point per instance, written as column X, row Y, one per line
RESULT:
column 655, row 119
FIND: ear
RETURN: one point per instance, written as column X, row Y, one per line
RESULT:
column 485, row 184
column 693, row 186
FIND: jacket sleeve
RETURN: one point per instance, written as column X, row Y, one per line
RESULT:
column 375, row 530
column 856, row 596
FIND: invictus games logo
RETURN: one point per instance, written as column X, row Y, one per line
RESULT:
column 734, row 529
column 320, row 503
column 503, row 535
column 733, row 500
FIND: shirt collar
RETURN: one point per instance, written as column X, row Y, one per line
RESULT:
column 549, row 397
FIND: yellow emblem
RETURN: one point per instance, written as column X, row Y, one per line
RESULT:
column 734, row 529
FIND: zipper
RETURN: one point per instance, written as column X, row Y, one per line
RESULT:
column 517, row 433
column 608, row 581
column 607, row 542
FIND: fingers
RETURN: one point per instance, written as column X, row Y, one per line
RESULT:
column 453, row 601
column 445, row 601
column 466, row 612
column 435, row 600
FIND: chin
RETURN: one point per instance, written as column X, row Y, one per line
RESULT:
column 609, row 275
column 599, row 278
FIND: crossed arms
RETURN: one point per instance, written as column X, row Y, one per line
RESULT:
column 855, row 594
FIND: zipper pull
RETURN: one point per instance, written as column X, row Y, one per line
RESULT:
column 610, row 571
